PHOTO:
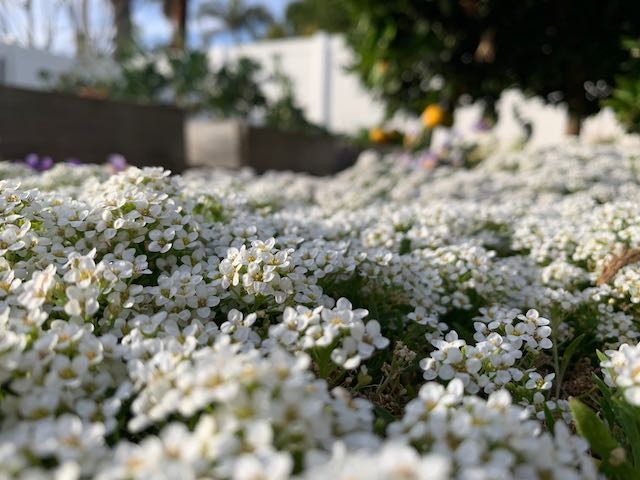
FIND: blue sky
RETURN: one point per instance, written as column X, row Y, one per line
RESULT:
column 150, row 23
column 155, row 30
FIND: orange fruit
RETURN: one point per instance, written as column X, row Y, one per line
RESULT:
column 432, row 116
column 377, row 135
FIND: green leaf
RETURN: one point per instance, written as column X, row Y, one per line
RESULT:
column 602, row 443
column 593, row 429
column 383, row 418
column 603, row 387
column 601, row 356
column 548, row 419
column 405, row 246
column 568, row 354
column 629, row 421
column 606, row 405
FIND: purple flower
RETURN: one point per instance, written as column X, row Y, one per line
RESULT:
column 39, row 164
column 118, row 162
column 481, row 125
column 428, row 160
column 73, row 161
column 46, row 163
column 405, row 158
column 32, row 160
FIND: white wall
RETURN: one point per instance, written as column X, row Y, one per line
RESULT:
column 335, row 98
column 20, row 67
column 317, row 66
column 300, row 59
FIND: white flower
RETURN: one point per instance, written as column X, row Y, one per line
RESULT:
column 623, row 371
column 35, row 291
column 194, row 314
column 238, row 326
column 368, row 337
column 347, row 355
column 272, row 466
column 537, row 382
column 82, row 301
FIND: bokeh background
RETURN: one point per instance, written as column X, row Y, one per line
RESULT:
column 408, row 74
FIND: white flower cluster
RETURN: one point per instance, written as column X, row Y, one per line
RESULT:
column 622, row 370
column 227, row 325
column 247, row 410
column 502, row 337
column 303, row 329
column 489, row 439
column 395, row 460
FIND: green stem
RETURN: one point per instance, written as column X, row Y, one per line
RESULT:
column 323, row 361
column 556, row 360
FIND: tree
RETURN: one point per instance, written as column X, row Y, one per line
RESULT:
column 176, row 12
column 414, row 52
column 237, row 90
column 41, row 24
column 235, row 17
column 305, row 17
column 123, row 27
column 20, row 21
column 92, row 26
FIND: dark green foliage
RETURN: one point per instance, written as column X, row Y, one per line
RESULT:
column 170, row 76
column 236, row 17
column 414, row 52
column 625, row 98
column 185, row 79
column 285, row 112
column 614, row 460
column 236, row 91
column 306, row 17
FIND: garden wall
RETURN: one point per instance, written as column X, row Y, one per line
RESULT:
column 232, row 144
column 64, row 126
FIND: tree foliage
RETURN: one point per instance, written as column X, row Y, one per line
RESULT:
column 123, row 27
column 176, row 13
column 236, row 17
column 413, row 52
column 235, row 90
column 305, row 17
column 625, row 98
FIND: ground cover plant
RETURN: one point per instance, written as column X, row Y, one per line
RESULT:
column 387, row 322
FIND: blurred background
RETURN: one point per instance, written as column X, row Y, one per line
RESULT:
column 307, row 84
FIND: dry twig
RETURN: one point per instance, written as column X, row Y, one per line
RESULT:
column 627, row 257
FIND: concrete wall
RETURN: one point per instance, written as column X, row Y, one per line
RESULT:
column 213, row 143
column 65, row 126
column 20, row 67
column 232, row 144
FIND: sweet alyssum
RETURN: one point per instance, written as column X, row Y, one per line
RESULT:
column 382, row 323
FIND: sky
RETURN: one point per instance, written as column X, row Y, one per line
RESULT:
column 151, row 25
column 156, row 30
